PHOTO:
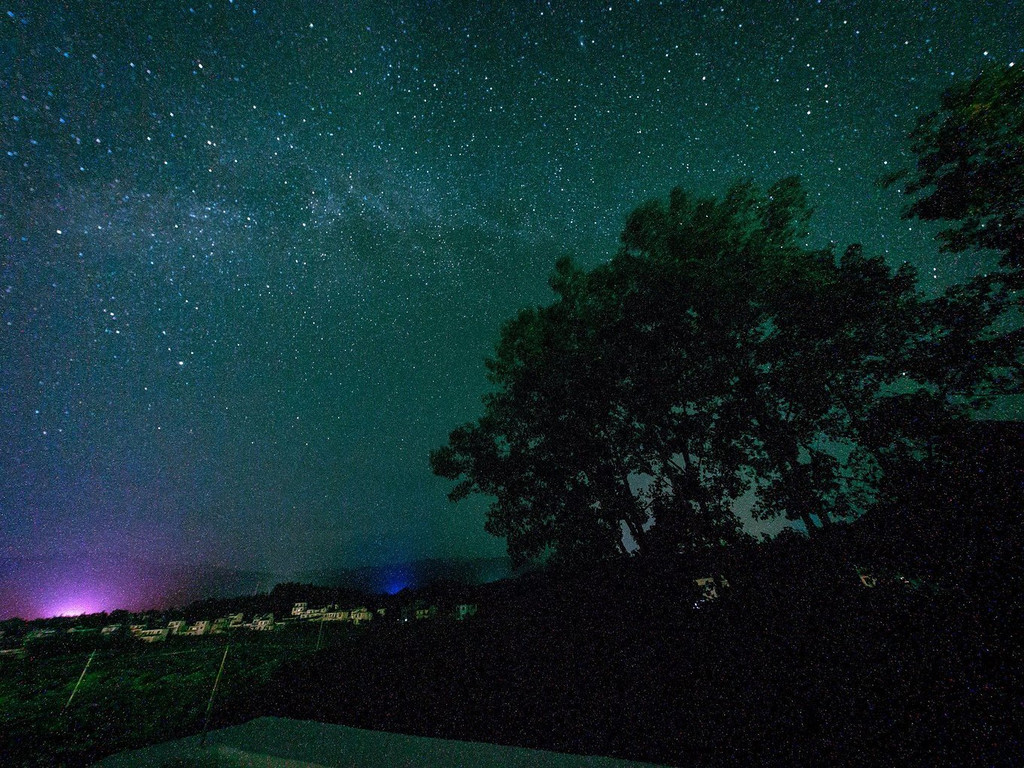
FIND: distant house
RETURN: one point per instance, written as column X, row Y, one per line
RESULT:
column 709, row 587
column 152, row 635
column 201, row 627
column 110, row 629
column 418, row 612
column 39, row 634
column 263, row 623
column 465, row 610
column 360, row 614
column 225, row 623
column 177, row 626
column 303, row 612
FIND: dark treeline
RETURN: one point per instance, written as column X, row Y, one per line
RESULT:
column 278, row 601
column 796, row 662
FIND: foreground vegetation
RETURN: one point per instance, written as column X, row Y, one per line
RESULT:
column 717, row 356
column 133, row 694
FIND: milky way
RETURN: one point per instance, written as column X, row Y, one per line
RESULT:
column 253, row 258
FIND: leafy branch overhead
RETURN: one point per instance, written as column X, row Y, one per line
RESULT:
column 970, row 166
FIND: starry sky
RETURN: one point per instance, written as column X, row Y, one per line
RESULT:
column 255, row 253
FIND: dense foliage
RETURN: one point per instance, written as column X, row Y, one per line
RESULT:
column 132, row 695
column 970, row 166
column 714, row 356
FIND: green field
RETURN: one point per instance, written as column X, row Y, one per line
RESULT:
column 134, row 695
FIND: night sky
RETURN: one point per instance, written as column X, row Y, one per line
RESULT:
column 253, row 256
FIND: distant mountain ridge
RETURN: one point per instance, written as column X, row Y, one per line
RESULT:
column 391, row 579
column 217, row 583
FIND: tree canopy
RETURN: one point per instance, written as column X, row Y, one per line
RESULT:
column 716, row 356
column 969, row 174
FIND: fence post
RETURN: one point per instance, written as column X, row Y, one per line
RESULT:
column 80, row 678
column 209, row 704
column 321, row 632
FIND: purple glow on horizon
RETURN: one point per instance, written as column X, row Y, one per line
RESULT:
column 44, row 590
column 76, row 607
column 78, row 597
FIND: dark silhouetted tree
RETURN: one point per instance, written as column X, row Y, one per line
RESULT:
column 969, row 175
column 713, row 356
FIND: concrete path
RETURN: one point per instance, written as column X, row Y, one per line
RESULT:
column 272, row 742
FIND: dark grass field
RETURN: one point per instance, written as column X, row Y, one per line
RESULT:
column 132, row 694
